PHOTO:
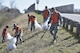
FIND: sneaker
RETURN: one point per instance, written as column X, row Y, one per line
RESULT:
column 16, row 44
column 55, row 41
column 3, row 41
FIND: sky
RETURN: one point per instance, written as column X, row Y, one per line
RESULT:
column 24, row 4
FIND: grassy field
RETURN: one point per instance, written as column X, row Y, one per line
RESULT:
column 66, row 42
column 6, row 17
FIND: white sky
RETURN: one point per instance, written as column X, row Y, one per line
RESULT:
column 24, row 4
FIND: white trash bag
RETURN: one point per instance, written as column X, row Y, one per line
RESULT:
column 37, row 25
column 12, row 44
column 9, row 37
column 45, row 24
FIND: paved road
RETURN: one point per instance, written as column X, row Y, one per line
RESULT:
column 74, row 17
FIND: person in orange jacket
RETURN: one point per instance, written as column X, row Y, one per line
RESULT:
column 54, row 19
column 32, row 20
column 18, row 32
column 5, row 33
column 45, row 14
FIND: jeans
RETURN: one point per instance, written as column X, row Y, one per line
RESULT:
column 54, row 27
column 3, row 38
column 19, row 36
column 32, row 26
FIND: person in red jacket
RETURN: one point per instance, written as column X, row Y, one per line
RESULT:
column 45, row 14
column 18, row 32
column 55, row 18
column 5, row 33
column 32, row 20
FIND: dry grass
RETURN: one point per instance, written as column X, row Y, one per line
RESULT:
column 67, row 43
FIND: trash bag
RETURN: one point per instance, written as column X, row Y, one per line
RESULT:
column 37, row 25
column 9, row 37
column 45, row 25
column 12, row 44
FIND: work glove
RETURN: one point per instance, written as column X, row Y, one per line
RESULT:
column 48, row 22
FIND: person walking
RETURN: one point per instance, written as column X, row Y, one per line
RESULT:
column 45, row 14
column 18, row 32
column 54, row 20
column 5, row 33
column 32, row 20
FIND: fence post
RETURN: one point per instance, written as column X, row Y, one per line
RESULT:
column 71, row 25
column 67, row 22
column 63, row 22
column 78, row 29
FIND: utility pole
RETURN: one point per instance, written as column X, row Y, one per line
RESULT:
column 37, row 2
